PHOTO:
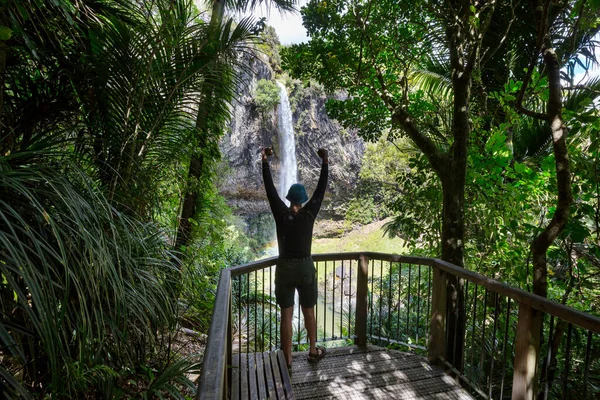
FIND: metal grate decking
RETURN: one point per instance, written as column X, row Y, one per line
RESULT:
column 371, row 373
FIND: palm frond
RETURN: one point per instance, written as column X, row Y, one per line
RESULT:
column 244, row 6
column 435, row 84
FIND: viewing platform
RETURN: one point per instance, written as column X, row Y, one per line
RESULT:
column 399, row 327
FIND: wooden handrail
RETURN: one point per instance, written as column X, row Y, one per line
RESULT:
column 561, row 311
column 568, row 314
column 213, row 382
column 268, row 262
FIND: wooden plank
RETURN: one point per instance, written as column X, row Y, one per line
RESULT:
column 287, row 384
column 252, row 376
column 373, row 373
column 277, row 376
column 525, row 362
column 243, row 376
column 269, row 376
column 213, row 379
column 361, row 301
column 235, row 377
column 437, row 331
column 260, row 374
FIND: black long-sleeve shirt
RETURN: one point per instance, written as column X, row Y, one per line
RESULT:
column 294, row 230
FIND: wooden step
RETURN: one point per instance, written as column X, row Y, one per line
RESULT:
column 260, row 376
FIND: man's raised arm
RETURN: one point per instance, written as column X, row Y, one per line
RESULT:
column 314, row 204
column 277, row 205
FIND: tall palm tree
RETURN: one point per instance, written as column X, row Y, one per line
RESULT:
column 213, row 103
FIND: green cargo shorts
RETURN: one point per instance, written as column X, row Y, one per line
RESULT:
column 292, row 274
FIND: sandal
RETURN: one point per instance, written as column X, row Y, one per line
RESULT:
column 312, row 357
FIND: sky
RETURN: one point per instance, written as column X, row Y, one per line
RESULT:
column 288, row 26
column 290, row 30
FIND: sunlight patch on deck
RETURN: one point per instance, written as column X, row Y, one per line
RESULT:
column 371, row 373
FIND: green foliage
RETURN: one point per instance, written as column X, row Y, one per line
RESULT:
column 417, row 209
column 101, row 115
column 267, row 95
column 219, row 243
column 73, row 270
column 377, row 185
column 269, row 45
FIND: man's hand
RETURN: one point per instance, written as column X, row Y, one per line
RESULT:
column 324, row 154
column 266, row 152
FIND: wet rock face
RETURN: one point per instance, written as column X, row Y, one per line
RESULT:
column 240, row 176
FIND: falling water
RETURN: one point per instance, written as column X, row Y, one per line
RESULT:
column 289, row 171
column 287, row 142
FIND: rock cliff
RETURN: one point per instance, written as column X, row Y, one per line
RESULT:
column 250, row 129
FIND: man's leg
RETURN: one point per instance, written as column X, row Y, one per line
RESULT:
column 286, row 333
column 310, row 324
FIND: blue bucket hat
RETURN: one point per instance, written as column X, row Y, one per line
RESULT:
column 297, row 194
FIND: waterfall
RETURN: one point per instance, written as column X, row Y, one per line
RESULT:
column 287, row 144
column 289, row 171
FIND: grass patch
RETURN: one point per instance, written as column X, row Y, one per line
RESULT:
column 365, row 238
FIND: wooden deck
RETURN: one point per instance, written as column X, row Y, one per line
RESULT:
column 371, row 373
column 260, row 376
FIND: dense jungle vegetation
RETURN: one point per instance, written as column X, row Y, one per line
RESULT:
column 484, row 151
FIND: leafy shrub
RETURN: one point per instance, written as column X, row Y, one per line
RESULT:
column 84, row 287
column 267, row 95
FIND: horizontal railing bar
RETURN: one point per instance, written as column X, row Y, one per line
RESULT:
column 253, row 266
column 561, row 311
column 463, row 378
column 212, row 379
column 268, row 262
column 372, row 256
column 384, row 339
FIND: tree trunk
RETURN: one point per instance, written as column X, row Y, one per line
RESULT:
column 188, row 209
column 540, row 245
column 453, row 179
column 453, row 252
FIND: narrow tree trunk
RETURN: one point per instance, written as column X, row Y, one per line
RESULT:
column 453, row 178
column 188, row 209
column 540, row 245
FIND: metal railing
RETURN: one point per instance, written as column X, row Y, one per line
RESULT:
column 408, row 303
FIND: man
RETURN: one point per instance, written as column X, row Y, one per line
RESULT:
column 295, row 269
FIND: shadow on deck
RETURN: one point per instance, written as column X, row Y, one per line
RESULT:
column 371, row 372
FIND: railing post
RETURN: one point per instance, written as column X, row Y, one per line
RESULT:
column 437, row 331
column 361, row 301
column 526, row 353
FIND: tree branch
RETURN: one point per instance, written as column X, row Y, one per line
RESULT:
column 401, row 118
